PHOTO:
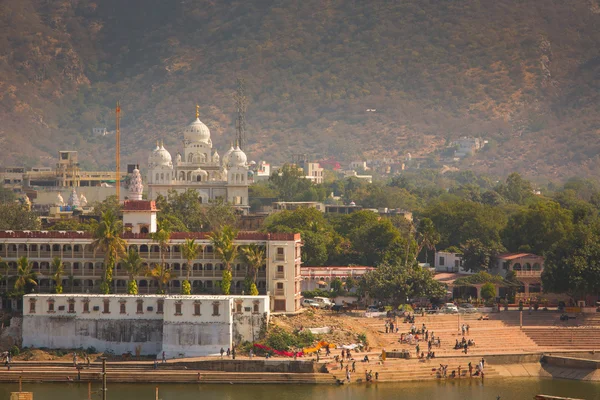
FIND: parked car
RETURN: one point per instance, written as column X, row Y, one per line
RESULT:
column 449, row 308
column 310, row 303
column 468, row 308
column 372, row 309
column 325, row 302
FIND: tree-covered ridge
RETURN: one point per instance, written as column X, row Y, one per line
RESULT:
column 522, row 74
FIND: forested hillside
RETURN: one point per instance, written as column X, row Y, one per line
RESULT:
column 523, row 74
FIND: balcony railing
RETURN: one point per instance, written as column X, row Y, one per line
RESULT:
column 525, row 274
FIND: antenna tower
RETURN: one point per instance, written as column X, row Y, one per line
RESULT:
column 240, row 123
column 118, row 150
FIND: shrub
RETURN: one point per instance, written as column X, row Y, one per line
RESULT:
column 311, row 294
column 14, row 351
column 91, row 350
column 132, row 287
column 280, row 340
column 186, row 288
column 253, row 290
column 488, row 291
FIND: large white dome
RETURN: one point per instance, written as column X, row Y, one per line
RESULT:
column 197, row 131
column 238, row 158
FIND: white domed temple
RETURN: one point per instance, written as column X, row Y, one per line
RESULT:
column 201, row 168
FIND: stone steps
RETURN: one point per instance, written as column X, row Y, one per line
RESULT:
column 166, row 377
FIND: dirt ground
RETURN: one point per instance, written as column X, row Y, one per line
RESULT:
column 344, row 327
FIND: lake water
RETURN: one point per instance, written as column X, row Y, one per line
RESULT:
column 507, row 389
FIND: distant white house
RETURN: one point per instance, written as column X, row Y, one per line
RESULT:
column 449, row 262
column 467, row 146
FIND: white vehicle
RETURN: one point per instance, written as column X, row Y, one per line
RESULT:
column 324, row 302
column 310, row 303
column 449, row 308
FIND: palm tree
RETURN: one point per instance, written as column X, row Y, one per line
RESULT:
column 4, row 267
column 106, row 239
column 58, row 269
column 254, row 256
column 133, row 264
column 161, row 274
column 190, row 250
column 227, row 251
column 162, row 237
column 25, row 276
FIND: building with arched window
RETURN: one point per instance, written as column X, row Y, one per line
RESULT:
column 201, row 168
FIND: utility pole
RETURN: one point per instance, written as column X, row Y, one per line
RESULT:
column 241, row 103
column 103, row 378
column 118, row 149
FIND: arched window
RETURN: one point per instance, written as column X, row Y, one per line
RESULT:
column 144, row 248
column 517, row 267
column 182, row 176
column 157, row 177
column 162, row 177
column 527, row 267
column 537, row 267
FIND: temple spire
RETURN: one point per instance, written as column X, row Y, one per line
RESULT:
column 197, row 111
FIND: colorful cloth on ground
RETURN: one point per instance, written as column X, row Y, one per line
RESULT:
column 319, row 345
column 279, row 352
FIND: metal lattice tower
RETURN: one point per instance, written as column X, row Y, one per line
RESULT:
column 241, row 103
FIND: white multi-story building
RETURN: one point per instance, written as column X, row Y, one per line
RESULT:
column 314, row 172
column 200, row 168
column 279, row 277
column 179, row 326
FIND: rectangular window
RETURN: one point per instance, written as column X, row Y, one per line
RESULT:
column 140, row 307
column 280, row 273
column 280, row 254
column 106, row 307
column 86, row 306
column 238, row 307
column 280, row 285
column 441, row 261
column 122, row 309
column 178, row 308
column 215, row 309
column 51, row 306
column 197, row 308
column 32, row 306
column 255, row 308
column 72, row 306
column 159, row 306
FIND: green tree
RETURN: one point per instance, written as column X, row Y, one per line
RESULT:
column 254, row 256
column 394, row 284
column 537, row 227
column 162, row 236
column 189, row 250
column 478, row 256
column 25, row 276
column 219, row 214
column 161, row 275
column 516, row 189
column 336, row 285
column 110, row 204
column 573, row 264
column 17, row 217
column 488, row 291
column 133, row 264
column 427, row 236
column 289, row 182
column 107, row 240
column 227, row 251
column 58, row 269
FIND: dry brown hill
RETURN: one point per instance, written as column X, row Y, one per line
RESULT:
column 523, row 74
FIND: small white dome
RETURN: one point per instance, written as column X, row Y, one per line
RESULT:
column 163, row 157
column 237, row 158
column 227, row 155
column 153, row 155
column 197, row 131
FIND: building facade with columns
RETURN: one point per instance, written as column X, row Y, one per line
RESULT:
column 201, row 168
column 279, row 278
